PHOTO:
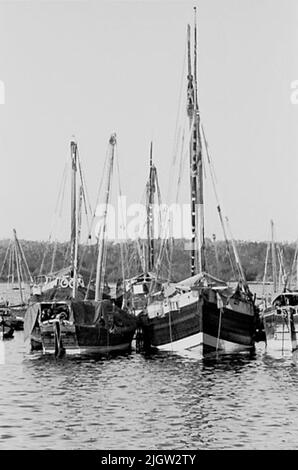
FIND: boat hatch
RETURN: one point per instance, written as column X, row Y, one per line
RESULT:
column 50, row 311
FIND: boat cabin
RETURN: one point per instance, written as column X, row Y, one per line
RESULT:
column 286, row 299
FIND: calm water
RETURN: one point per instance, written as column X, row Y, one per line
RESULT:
column 162, row 401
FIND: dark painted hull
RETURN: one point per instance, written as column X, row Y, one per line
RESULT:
column 229, row 326
column 78, row 327
column 172, row 327
column 203, row 325
column 82, row 339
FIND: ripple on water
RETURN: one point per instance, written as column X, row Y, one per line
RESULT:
column 151, row 401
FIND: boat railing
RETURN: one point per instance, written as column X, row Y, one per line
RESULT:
column 285, row 310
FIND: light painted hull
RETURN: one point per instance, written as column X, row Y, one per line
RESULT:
column 199, row 342
column 280, row 333
column 191, row 343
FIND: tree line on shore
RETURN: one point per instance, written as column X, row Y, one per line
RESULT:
column 176, row 255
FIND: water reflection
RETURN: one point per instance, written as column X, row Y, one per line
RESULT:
column 147, row 401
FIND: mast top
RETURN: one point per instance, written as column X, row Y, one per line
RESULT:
column 73, row 149
column 113, row 139
column 195, row 66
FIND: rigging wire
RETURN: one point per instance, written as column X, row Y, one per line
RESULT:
column 123, row 245
column 53, row 224
column 213, row 180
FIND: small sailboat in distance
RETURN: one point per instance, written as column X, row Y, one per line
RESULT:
column 19, row 279
column 280, row 313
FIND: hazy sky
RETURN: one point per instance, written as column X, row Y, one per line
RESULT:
column 90, row 68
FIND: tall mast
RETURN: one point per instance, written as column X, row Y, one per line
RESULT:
column 101, row 243
column 150, row 219
column 195, row 66
column 273, row 254
column 73, row 235
column 196, row 163
column 193, row 185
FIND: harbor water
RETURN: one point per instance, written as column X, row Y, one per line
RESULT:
column 156, row 401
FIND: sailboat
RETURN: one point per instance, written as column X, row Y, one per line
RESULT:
column 66, row 282
column 280, row 313
column 202, row 313
column 138, row 287
column 18, row 276
column 72, row 326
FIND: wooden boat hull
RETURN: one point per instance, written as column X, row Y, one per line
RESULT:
column 281, row 330
column 84, row 333
column 229, row 329
column 202, row 326
column 81, row 342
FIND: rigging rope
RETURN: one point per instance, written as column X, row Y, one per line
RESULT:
column 213, row 180
column 265, row 269
column 123, row 245
column 293, row 266
column 53, row 223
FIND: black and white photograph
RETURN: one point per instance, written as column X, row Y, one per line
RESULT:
column 149, row 228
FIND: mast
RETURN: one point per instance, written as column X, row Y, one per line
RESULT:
column 282, row 277
column 199, row 157
column 273, row 254
column 100, row 259
column 12, row 265
column 150, row 219
column 22, row 256
column 196, row 163
column 18, row 266
column 81, row 195
column 193, row 186
column 265, row 269
column 73, row 235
